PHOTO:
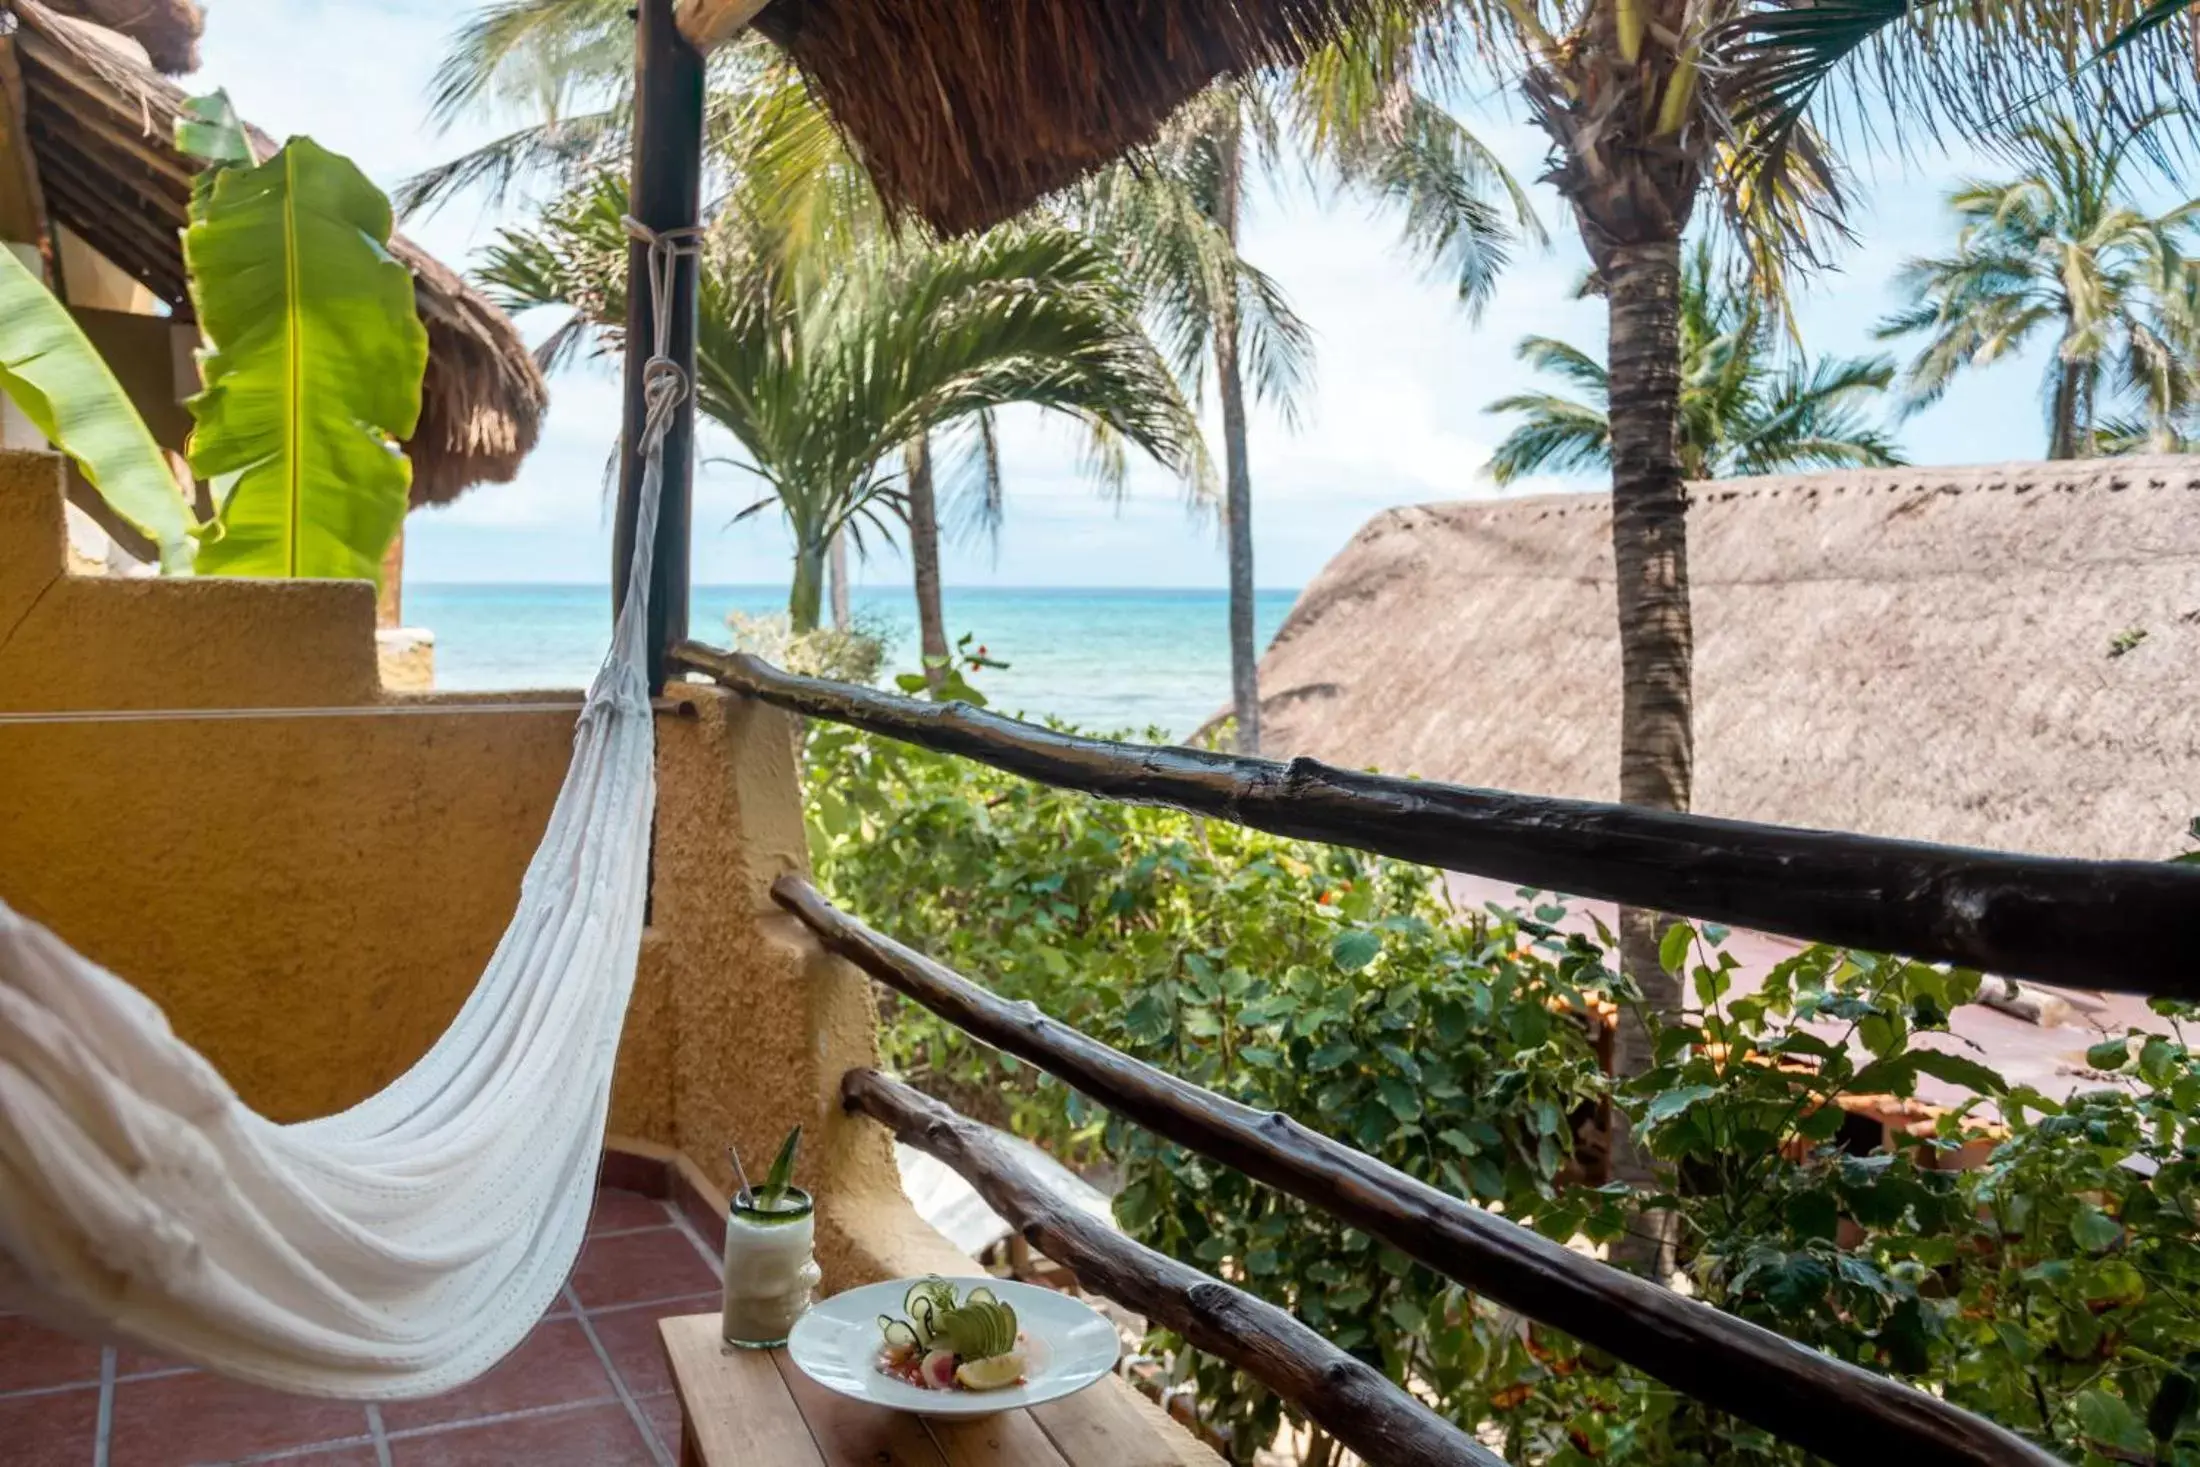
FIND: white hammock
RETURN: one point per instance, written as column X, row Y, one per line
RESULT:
column 402, row 1247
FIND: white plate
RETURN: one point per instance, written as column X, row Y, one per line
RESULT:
column 1067, row 1345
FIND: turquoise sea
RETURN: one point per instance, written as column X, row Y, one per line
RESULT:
column 1103, row 659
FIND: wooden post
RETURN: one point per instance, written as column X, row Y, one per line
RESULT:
column 665, row 194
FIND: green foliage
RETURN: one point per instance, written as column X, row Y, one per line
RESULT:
column 1742, row 411
column 313, row 370
column 823, row 368
column 313, row 374
column 1337, row 987
column 56, row 376
column 2042, row 1270
column 2051, row 1286
column 848, row 655
column 209, row 128
column 2064, row 251
column 953, row 686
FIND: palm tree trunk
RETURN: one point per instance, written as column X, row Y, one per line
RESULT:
column 806, row 600
column 1656, row 636
column 924, row 557
column 2063, row 430
column 839, row 555
column 1237, row 507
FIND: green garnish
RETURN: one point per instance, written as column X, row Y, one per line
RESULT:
column 977, row 1328
column 774, row 1190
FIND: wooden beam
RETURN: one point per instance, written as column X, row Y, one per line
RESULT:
column 1844, row 1413
column 1350, row 1399
column 665, row 194
column 89, row 110
column 2128, row 925
column 96, row 220
column 22, row 205
column 708, row 23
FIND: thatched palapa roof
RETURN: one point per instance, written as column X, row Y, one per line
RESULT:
column 2005, row 656
column 968, row 111
column 101, row 126
column 169, row 30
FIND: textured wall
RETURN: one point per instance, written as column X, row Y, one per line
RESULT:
column 764, row 1021
column 312, row 899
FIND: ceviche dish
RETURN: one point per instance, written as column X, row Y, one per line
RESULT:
column 946, row 1345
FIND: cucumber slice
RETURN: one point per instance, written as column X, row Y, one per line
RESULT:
column 980, row 1295
column 899, row 1336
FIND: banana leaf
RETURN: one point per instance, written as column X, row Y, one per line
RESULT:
column 313, row 366
column 208, row 127
column 54, row 374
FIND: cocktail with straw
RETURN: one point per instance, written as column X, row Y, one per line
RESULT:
column 770, row 1270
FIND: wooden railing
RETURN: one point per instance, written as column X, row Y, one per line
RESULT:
column 2129, row 925
column 1840, row 1411
column 2108, row 924
column 1352, row 1400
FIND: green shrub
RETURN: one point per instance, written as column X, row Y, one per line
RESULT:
column 852, row 654
column 2056, row 1288
column 1337, row 987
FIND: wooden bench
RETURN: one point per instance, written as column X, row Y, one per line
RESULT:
column 752, row 1408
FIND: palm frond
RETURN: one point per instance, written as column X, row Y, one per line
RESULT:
column 1557, row 436
column 1548, row 354
column 559, row 148
column 1970, row 66
column 534, row 53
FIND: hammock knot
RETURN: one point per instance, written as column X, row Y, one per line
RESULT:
column 664, row 385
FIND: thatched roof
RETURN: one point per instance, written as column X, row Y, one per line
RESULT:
column 1906, row 652
column 169, row 30
column 101, row 125
column 968, row 111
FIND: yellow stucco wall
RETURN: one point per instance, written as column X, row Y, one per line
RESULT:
column 311, row 899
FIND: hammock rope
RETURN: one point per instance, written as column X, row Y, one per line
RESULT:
column 406, row 1245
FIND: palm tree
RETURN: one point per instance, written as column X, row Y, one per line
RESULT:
column 1651, row 104
column 2062, row 248
column 775, row 155
column 1742, row 411
column 823, row 377
column 1174, row 217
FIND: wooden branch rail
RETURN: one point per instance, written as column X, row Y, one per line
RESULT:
column 1842, row 1412
column 1350, row 1399
column 2130, row 925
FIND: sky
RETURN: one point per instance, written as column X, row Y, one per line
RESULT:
column 1394, row 415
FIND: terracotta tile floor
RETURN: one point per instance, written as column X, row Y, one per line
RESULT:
column 588, row 1388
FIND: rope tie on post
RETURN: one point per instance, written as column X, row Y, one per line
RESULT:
column 664, row 385
column 664, row 389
